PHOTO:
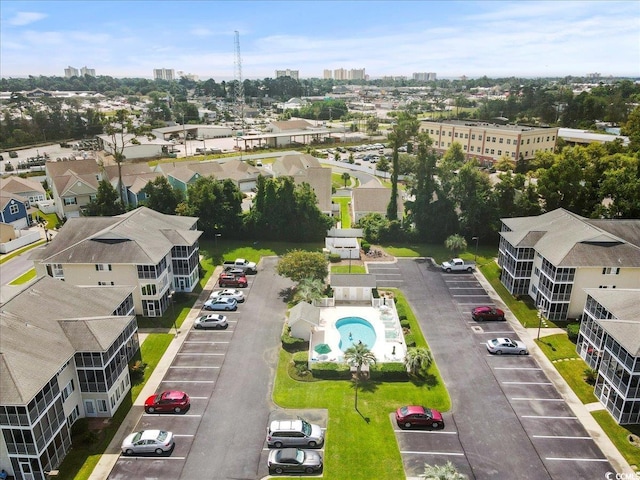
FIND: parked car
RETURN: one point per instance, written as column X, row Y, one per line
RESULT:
column 506, row 345
column 418, row 416
column 294, row 433
column 294, row 460
column 169, row 401
column 226, row 304
column 227, row 279
column 234, row 293
column 487, row 313
column 213, row 320
column 148, row 441
column 458, row 265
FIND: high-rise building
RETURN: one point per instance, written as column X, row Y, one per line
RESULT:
column 344, row 74
column 88, row 71
column 340, row 74
column 71, row 72
column 424, row 76
column 356, row 74
column 327, row 74
column 295, row 74
column 163, row 74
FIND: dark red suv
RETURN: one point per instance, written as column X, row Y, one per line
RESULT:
column 487, row 313
column 170, row 401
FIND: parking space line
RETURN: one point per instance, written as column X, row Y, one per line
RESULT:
column 198, row 398
column 440, row 432
column 500, row 332
column 197, row 353
column 562, row 436
column 188, row 381
column 212, row 343
column 182, row 434
column 515, row 399
column 433, row 453
column 517, row 368
column 551, row 417
column 577, row 459
column 156, row 457
column 470, row 295
column 527, row 383
column 194, row 366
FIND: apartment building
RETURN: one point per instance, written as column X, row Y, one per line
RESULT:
column 65, row 354
column 488, row 142
column 71, row 72
column 164, row 74
column 609, row 341
column 424, row 76
column 153, row 252
column 88, row 71
column 554, row 257
column 295, row 74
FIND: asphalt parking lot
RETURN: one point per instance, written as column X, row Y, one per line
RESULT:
column 506, row 414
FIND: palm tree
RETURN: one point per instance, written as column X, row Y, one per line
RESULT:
column 309, row 289
column 418, row 359
column 455, row 243
column 442, row 472
column 357, row 356
column 346, row 177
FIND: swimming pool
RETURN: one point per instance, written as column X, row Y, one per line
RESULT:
column 353, row 330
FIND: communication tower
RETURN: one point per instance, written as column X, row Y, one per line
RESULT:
column 239, row 86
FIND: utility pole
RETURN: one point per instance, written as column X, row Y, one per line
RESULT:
column 239, row 87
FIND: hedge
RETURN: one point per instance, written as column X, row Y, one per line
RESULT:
column 331, row 370
column 389, row 372
column 572, row 331
column 410, row 340
column 300, row 358
column 292, row 344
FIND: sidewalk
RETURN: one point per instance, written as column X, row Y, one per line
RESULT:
column 580, row 410
column 112, row 453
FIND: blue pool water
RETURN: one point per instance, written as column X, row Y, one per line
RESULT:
column 353, row 330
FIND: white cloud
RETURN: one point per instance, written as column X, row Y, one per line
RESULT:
column 25, row 18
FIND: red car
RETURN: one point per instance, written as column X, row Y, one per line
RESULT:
column 416, row 415
column 170, row 401
column 487, row 313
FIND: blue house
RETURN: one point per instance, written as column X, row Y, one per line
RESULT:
column 14, row 210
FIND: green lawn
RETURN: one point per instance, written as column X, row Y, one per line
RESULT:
column 345, row 216
column 618, row 435
column 20, row 251
column 361, row 444
column 348, row 269
column 25, row 277
column 84, row 456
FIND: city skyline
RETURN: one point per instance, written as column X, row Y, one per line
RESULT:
column 453, row 39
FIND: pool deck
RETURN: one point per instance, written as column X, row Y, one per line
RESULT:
column 389, row 346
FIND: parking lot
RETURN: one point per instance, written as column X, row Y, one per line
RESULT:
column 506, row 414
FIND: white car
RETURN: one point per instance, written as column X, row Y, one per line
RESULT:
column 213, row 320
column 506, row 345
column 234, row 293
column 148, row 441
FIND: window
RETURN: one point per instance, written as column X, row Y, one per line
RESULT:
column 466, row 135
column 465, row 147
column 499, row 152
column 102, row 405
column 102, row 284
column 449, row 133
column 100, row 267
column 455, row 134
column 68, row 390
column 508, row 141
column 70, row 201
column 472, row 148
column 493, row 139
column 486, row 151
column 611, row 271
column 13, row 209
column 149, row 289
column 528, row 140
column 607, row 286
column 513, row 154
column 479, row 137
column 501, row 140
column 492, row 151
column 473, row 136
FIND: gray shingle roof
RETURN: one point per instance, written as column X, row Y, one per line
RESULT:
column 45, row 324
column 353, row 280
column 306, row 312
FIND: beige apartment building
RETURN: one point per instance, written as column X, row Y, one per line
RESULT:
column 488, row 142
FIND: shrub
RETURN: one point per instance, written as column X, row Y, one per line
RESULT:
column 572, row 331
column 590, row 376
column 136, row 371
column 366, row 246
column 410, row 340
column 391, row 371
column 80, row 427
column 292, row 344
column 335, row 257
column 300, row 358
column 331, row 371
column 404, row 323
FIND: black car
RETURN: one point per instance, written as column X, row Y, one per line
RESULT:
column 294, row 460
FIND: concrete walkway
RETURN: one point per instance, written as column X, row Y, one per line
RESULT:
column 580, row 410
column 112, row 453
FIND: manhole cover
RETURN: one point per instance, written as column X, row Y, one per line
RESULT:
column 477, row 329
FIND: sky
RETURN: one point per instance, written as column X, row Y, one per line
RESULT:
column 387, row 38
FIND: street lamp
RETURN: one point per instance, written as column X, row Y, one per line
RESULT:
column 540, row 315
column 216, row 239
column 171, row 298
column 475, row 256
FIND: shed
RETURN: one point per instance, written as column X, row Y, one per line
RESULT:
column 353, row 287
column 303, row 319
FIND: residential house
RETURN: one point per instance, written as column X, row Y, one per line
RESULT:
column 14, row 210
column 73, row 184
column 609, row 341
column 555, row 256
column 135, row 177
column 305, row 168
column 373, row 197
column 154, row 252
column 65, row 353
column 182, row 174
column 29, row 189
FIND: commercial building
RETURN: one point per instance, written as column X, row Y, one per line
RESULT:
column 554, row 257
column 156, row 253
column 295, row 74
column 163, row 74
column 65, row 354
column 609, row 341
column 424, row 76
column 488, row 142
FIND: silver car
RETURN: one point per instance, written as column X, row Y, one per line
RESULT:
column 506, row 345
column 148, row 441
column 213, row 320
column 294, row 433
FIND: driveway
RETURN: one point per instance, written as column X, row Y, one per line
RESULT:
column 506, row 415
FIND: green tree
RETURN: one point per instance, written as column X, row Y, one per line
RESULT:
column 217, row 204
column 421, row 211
column 345, row 177
column 418, row 360
column 455, row 243
column 631, row 128
column 406, row 128
column 161, row 196
column 106, row 203
column 359, row 355
column 383, row 164
column 447, row 471
column 308, row 290
column 300, row 264
column 476, row 201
